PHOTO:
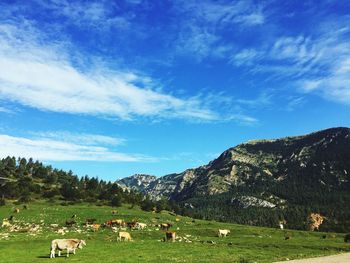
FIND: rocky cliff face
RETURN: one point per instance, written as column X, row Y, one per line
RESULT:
column 137, row 182
column 317, row 159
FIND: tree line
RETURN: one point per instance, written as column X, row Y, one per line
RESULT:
column 26, row 180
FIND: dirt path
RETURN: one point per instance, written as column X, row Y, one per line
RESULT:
column 341, row 258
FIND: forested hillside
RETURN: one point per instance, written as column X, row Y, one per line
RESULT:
column 25, row 180
column 262, row 182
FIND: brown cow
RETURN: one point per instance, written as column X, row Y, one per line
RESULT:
column 170, row 235
column 70, row 222
column 315, row 221
column 132, row 224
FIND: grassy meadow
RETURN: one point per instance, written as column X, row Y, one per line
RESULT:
column 199, row 241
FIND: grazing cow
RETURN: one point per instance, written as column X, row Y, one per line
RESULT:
column 132, row 224
column 70, row 222
column 124, row 236
column 73, row 216
column 114, row 212
column 223, row 232
column 5, row 223
column 16, row 210
column 141, row 225
column 96, row 227
column 281, row 224
column 115, row 222
column 170, row 235
column 315, row 221
column 90, row 220
column 165, row 226
column 68, row 244
column 118, row 222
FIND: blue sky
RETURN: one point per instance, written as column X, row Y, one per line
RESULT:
column 113, row 88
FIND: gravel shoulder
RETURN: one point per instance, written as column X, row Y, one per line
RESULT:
column 340, row 258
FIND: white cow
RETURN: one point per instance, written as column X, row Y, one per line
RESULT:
column 124, row 236
column 141, row 225
column 223, row 232
column 5, row 223
column 69, row 244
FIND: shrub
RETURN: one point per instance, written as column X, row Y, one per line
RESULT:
column 347, row 238
column 116, row 201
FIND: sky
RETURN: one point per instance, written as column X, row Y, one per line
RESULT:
column 114, row 88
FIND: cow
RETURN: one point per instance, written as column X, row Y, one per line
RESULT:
column 170, row 235
column 96, row 227
column 124, row 236
column 132, row 224
column 141, row 225
column 118, row 222
column 315, row 220
column 223, row 232
column 16, row 210
column 68, row 244
column 70, row 222
column 113, row 222
column 165, row 226
column 282, row 223
column 90, row 220
column 114, row 212
column 5, row 223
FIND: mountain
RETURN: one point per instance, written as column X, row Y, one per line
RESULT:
column 139, row 182
column 306, row 173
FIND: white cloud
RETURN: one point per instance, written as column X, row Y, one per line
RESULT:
column 204, row 22
column 61, row 150
column 317, row 64
column 42, row 77
column 82, row 138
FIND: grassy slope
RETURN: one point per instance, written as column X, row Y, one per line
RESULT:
column 253, row 243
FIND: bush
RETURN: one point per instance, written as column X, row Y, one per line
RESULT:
column 116, row 201
column 347, row 238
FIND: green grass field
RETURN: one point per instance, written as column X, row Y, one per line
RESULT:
column 245, row 244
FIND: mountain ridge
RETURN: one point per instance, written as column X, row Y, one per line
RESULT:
column 304, row 172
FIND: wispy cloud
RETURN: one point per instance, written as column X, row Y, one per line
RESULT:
column 82, row 138
column 205, row 22
column 87, row 14
column 225, row 12
column 42, row 76
column 318, row 63
column 54, row 149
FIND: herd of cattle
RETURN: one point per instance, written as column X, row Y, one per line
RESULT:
column 119, row 226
